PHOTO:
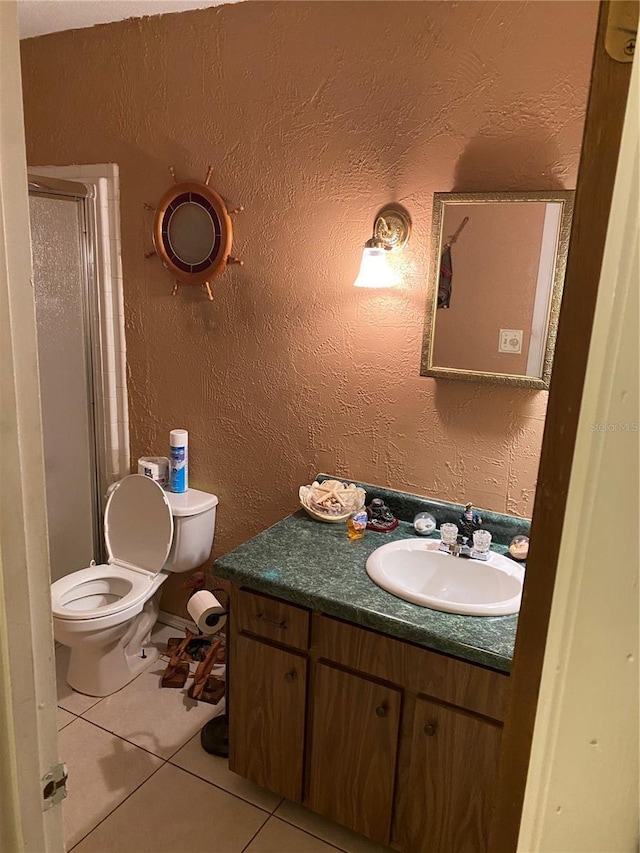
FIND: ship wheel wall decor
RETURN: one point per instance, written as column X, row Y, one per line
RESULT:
column 192, row 234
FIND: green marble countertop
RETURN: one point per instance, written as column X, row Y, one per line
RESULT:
column 314, row 564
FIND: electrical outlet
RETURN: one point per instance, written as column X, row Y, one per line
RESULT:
column 510, row 341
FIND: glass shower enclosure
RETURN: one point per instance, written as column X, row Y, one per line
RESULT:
column 63, row 257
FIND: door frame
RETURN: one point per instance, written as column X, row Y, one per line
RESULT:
column 604, row 121
column 28, row 697
column 582, row 784
column 28, row 742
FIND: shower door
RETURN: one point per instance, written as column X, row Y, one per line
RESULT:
column 66, row 305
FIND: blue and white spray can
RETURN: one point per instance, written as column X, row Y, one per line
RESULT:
column 179, row 455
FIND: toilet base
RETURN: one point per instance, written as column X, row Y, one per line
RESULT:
column 100, row 670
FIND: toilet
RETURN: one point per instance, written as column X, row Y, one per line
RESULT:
column 105, row 613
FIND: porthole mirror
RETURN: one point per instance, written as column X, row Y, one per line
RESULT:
column 192, row 233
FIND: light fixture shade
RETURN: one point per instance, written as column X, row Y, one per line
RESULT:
column 375, row 270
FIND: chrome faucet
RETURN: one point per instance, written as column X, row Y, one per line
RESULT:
column 460, row 548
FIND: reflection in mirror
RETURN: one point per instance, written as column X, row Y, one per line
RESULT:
column 497, row 268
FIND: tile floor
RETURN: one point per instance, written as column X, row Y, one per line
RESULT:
column 139, row 782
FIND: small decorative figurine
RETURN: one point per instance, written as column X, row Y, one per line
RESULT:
column 177, row 670
column 469, row 522
column 201, row 686
column 381, row 519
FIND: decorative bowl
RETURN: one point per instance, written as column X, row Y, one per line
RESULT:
column 331, row 500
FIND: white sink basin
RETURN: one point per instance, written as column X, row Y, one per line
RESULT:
column 415, row 570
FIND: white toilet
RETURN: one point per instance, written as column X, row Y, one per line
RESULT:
column 105, row 613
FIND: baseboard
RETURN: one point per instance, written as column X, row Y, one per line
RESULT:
column 177, row 621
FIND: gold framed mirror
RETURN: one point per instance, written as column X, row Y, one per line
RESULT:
column 496, row 272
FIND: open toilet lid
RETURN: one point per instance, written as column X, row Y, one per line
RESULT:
column 138, row 525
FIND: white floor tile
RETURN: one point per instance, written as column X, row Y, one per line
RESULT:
column 279, row 837
column 155, row 718
column 64, row 718
column 327, row 830
column 161, row 633
column 67, row 697
column 175, row 812
column 193, row 758
column 103, row 771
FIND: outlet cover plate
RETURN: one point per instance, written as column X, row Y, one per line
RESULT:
column 510, row 341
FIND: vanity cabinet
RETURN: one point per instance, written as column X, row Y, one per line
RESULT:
column 390, row 739
column 271, row 619
column 352, row 756
column 451, row 776
column 269, row 706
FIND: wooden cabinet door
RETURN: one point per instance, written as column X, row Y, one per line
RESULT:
column 452, row 776
column 354, row 743
column 268, row 688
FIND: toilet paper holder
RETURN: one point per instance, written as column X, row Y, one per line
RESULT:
column 214, row 736
column 209, row 623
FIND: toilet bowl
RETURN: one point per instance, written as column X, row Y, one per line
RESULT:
column 105, row 613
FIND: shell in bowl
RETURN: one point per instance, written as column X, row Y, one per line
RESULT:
column 331, row 500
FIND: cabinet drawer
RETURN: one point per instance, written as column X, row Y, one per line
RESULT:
column 480, row 690
column 272, row 618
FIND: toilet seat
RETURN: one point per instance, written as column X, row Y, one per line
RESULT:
column 138, row 531
column 98, row 591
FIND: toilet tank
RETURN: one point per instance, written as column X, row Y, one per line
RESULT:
column 194, row 521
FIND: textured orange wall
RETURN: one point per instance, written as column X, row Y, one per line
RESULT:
column 313, row 115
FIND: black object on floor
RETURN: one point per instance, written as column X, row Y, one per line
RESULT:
column 214, row 737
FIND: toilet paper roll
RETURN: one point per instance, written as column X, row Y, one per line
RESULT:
column 155, row 467
column 207, row 612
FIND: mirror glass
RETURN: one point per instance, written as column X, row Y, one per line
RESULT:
column 191, row 233
column 497, row 267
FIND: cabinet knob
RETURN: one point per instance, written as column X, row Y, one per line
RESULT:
column 430, row 729
column 289, row 676
column 381, row 711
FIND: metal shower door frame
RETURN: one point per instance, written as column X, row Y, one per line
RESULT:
column 56, row 189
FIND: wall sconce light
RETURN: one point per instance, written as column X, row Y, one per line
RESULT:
column 391, row 230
